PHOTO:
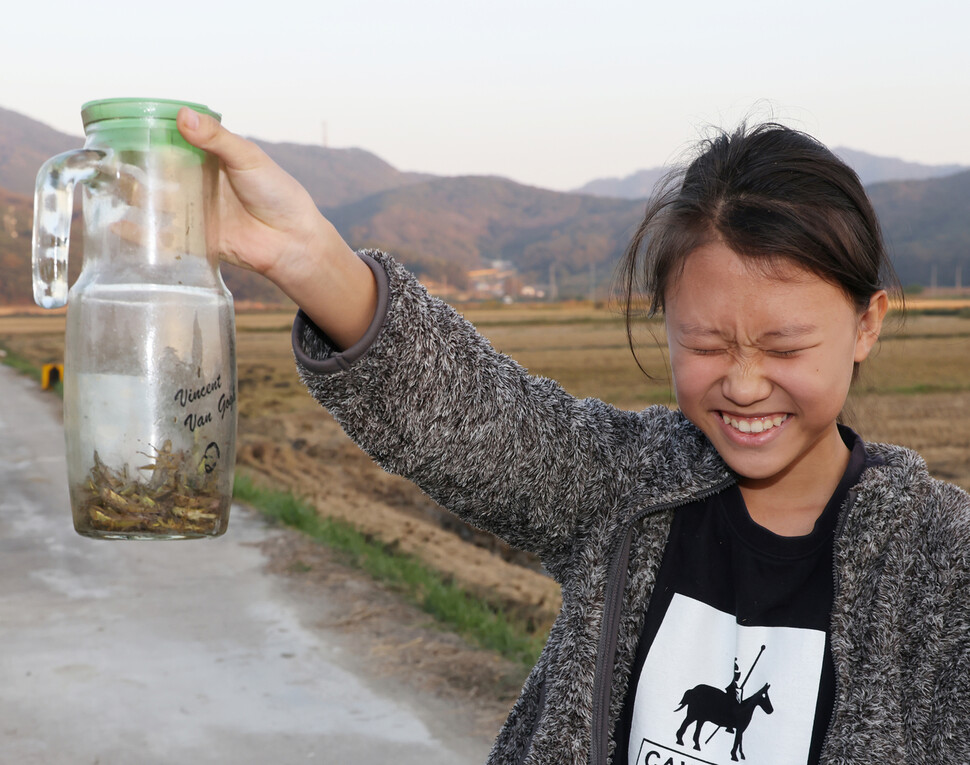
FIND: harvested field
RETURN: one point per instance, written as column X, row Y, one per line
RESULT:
column 915, row 391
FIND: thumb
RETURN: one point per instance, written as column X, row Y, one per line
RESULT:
column 207, row 133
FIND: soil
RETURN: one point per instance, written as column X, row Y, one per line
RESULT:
column 398, row 639
column 288, row 440
column 307, row 453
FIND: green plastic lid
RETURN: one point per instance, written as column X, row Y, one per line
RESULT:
column 138, row 108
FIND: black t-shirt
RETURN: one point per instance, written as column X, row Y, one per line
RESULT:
column 734, row 655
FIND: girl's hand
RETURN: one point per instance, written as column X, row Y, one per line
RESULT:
column 266, row 217
column 268, row 223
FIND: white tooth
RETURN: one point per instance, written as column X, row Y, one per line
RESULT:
column 769, row 424
column 757, row 426
column 734, row 424
column 727, row 420
column 744, row 426
column 780, row 420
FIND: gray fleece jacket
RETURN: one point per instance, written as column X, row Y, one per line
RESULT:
column 592, row 490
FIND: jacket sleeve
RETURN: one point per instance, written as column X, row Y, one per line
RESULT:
column 428, row 398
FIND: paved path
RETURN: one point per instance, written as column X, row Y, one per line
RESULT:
column 148, row 653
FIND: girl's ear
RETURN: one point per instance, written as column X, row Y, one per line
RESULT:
column 870, row 324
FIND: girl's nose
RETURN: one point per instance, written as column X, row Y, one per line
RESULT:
column 745, row 382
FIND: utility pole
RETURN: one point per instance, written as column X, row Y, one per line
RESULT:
column 592, row 283
column 553, row 289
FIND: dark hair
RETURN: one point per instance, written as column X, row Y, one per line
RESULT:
column 767, row 192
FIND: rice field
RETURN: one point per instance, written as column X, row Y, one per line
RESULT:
column 914, row 390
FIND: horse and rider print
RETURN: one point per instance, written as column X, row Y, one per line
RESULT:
column 704, row 707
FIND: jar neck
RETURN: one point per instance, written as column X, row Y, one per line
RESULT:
column 152, row 211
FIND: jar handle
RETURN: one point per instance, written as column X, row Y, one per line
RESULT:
column 53, row 209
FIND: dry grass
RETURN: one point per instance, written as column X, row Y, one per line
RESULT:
column 937, row 425
column 914, row 391
column 40, row 339
column 588, row 358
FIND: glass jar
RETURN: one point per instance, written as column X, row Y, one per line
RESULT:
column 149, row 363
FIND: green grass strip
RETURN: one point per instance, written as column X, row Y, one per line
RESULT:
column 450, row 605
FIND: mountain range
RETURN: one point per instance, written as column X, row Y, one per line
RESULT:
column 869, row 167
column 441, row 227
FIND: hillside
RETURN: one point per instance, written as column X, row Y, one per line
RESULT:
column 471, row 220
column 443, row 227
column 332, row 176
column 638, row 185
column 926, row 224
column 16, row 222
column 338, row 176
column 874, row 169
column 870, row 168
column 25, row 145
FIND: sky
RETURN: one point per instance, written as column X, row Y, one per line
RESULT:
column 550, row 93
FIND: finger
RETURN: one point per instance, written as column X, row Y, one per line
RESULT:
column 207, row 133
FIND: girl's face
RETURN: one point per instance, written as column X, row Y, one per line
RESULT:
column 762, row 363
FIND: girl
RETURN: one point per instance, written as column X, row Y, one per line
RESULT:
column 741, row 578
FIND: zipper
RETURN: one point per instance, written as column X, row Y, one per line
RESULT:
column 839, row 528
column 615, row 584
column 540, row 708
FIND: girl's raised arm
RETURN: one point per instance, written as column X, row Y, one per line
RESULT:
column 413, row 383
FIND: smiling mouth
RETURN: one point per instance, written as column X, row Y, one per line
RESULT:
column 753, row 424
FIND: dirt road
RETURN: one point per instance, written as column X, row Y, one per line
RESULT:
column 217, row 651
